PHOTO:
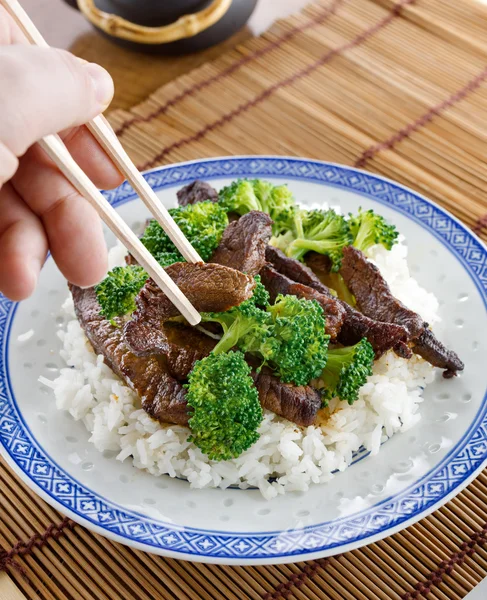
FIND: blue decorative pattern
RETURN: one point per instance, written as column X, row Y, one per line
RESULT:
column 462, row 462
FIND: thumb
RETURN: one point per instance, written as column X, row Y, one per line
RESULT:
column 45, row 91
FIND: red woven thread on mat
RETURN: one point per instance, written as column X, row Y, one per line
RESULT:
column 197, row 87
column 36, row 541
column 480, row 225
column 284, row 590
column 479, row 538
column 471, row 86
column 395, row 11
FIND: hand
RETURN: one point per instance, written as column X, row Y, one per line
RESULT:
column 44, row 91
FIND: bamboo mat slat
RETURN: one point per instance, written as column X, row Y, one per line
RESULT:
column 397, row 88
column 418, row 90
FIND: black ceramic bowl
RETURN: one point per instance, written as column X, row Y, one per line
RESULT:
column 156, row 13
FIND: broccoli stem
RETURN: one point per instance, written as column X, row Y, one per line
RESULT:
column 361, row 242
column 231, row 336
column 337, row 283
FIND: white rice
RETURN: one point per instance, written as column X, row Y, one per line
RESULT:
column 291, row 456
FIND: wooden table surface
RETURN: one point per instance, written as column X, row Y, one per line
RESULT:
column 136, row 75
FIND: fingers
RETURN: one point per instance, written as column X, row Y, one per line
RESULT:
column 48, row 91
column 91, row 158
column 86, row 151
column 23, row 246
column 76, row 240
column 8, row 164
column 72, row 225
column 9, row 32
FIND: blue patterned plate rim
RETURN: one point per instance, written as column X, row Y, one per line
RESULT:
column 384, row 518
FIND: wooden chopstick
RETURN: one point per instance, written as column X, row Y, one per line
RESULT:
column 105, row 135
column 58, row 152
column 8, row 589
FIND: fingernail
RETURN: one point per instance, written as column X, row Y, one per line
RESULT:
column 103, row 84
column 34, row 271
column 87, row 287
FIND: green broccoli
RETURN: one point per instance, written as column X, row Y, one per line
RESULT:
column 116, row 293
column 260, row 297
column 246, row 326
column 224, row 406
column 289, row 336
column 239, row 197
column 168, row 258
column 347, row 370
column 323, row 231
column 245, row 195
column 299, row 326
column 337, row 284
column 202, row 223
column 369, row 228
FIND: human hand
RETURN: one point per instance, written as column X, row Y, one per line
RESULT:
column 45, row 91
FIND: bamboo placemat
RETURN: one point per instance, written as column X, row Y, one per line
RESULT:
column 398, row 88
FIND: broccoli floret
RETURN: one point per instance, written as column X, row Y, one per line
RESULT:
column 239, row 197
column 202, row 223
column 116, row 293
column 224, row 406
column 347, row 370
column 299, row 326
column 289, row 336
column 245, row 195
column 245, row 326
column 323, row 231
column 260, row 297
column 369, row 228
column 168, row 258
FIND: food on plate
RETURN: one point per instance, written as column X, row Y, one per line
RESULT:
column 224, row 406
column 347, row 369
column 116, row 293
column 343, row 322
column 196, row 191
column 368, row 228
column 373, row 296
column 202, row 223
column 243, row 243
column 376, row 300
column 313, row 345
column 322, row 231
column 244, row 196
column 278, row 284
column 162, row 396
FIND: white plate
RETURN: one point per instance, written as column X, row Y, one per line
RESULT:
column 431, row 463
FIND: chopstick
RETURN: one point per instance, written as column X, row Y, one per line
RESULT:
column 57, row 151
column 105, row 135
column 100, row 128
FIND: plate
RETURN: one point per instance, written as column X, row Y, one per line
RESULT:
column 377, row 496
